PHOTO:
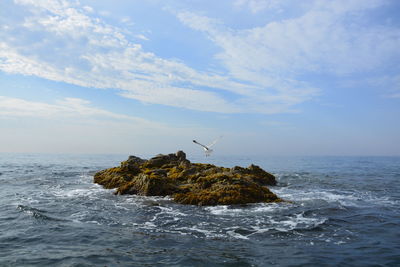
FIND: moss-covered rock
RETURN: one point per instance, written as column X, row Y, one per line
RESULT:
column 189, row 183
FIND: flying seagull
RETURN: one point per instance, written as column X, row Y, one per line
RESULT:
column 207, row 149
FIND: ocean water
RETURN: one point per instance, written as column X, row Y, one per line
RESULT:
column 344, row 211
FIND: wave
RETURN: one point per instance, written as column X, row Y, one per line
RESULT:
column 245, row 210
column 79, row 192
column 37, row 213
column 294, row 222
column 343, row 197
column 226, row 221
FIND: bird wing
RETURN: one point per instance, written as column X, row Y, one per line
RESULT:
column 214, row 142
column 194, row 141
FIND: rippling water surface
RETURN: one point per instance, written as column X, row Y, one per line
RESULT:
column 343, row 211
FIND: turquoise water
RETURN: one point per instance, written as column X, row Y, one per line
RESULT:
column 345, row 211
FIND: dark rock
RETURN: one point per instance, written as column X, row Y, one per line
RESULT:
column 134, row 159
column 180, row 155
column 132, row 164
column 189, row 183
column 147, row 185
column 259, row 175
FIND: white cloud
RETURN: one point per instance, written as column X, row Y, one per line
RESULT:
column 328, row 38
column 251, row 56
column 389, row 84
column 95, row 54
column 82, row 110
column 85, row 51
column 263, row 66
column 324, row 39
column 67, row 107
column 395, row 95
column 88, row 9
column 141, row 37
column 256, row 6
column 74, row 125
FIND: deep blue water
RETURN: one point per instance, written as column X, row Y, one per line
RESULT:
column 344, row 212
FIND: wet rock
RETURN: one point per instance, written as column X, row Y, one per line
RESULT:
column 147, row 185
column 258, row 175
column 132, row 164
column 180, row 155
column 189, row 183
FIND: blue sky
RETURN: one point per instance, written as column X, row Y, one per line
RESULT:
column 273, row 77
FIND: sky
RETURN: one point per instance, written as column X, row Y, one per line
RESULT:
column 272, row 77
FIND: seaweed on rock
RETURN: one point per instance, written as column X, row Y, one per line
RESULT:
column 189, row 183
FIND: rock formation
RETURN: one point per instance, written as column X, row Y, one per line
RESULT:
column 189, row 183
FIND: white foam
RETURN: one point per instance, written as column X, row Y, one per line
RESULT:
column 287, row 223
column 250, row 209
column 143, row 201
column 236, row 235
column 79, row 192
column 79, row 216
column 94, row 222
column 345, row 198
column 195, row 229
column 223, row 210
column 150, row 224
column 170, row 211
column 86, row 178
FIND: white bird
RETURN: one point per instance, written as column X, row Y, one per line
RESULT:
column 207, row 149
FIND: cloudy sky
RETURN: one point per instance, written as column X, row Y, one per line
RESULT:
column 273, row 77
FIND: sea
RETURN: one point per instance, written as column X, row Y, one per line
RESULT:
column 340, row 211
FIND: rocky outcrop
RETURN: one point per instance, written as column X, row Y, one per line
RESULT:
column 189, row 183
